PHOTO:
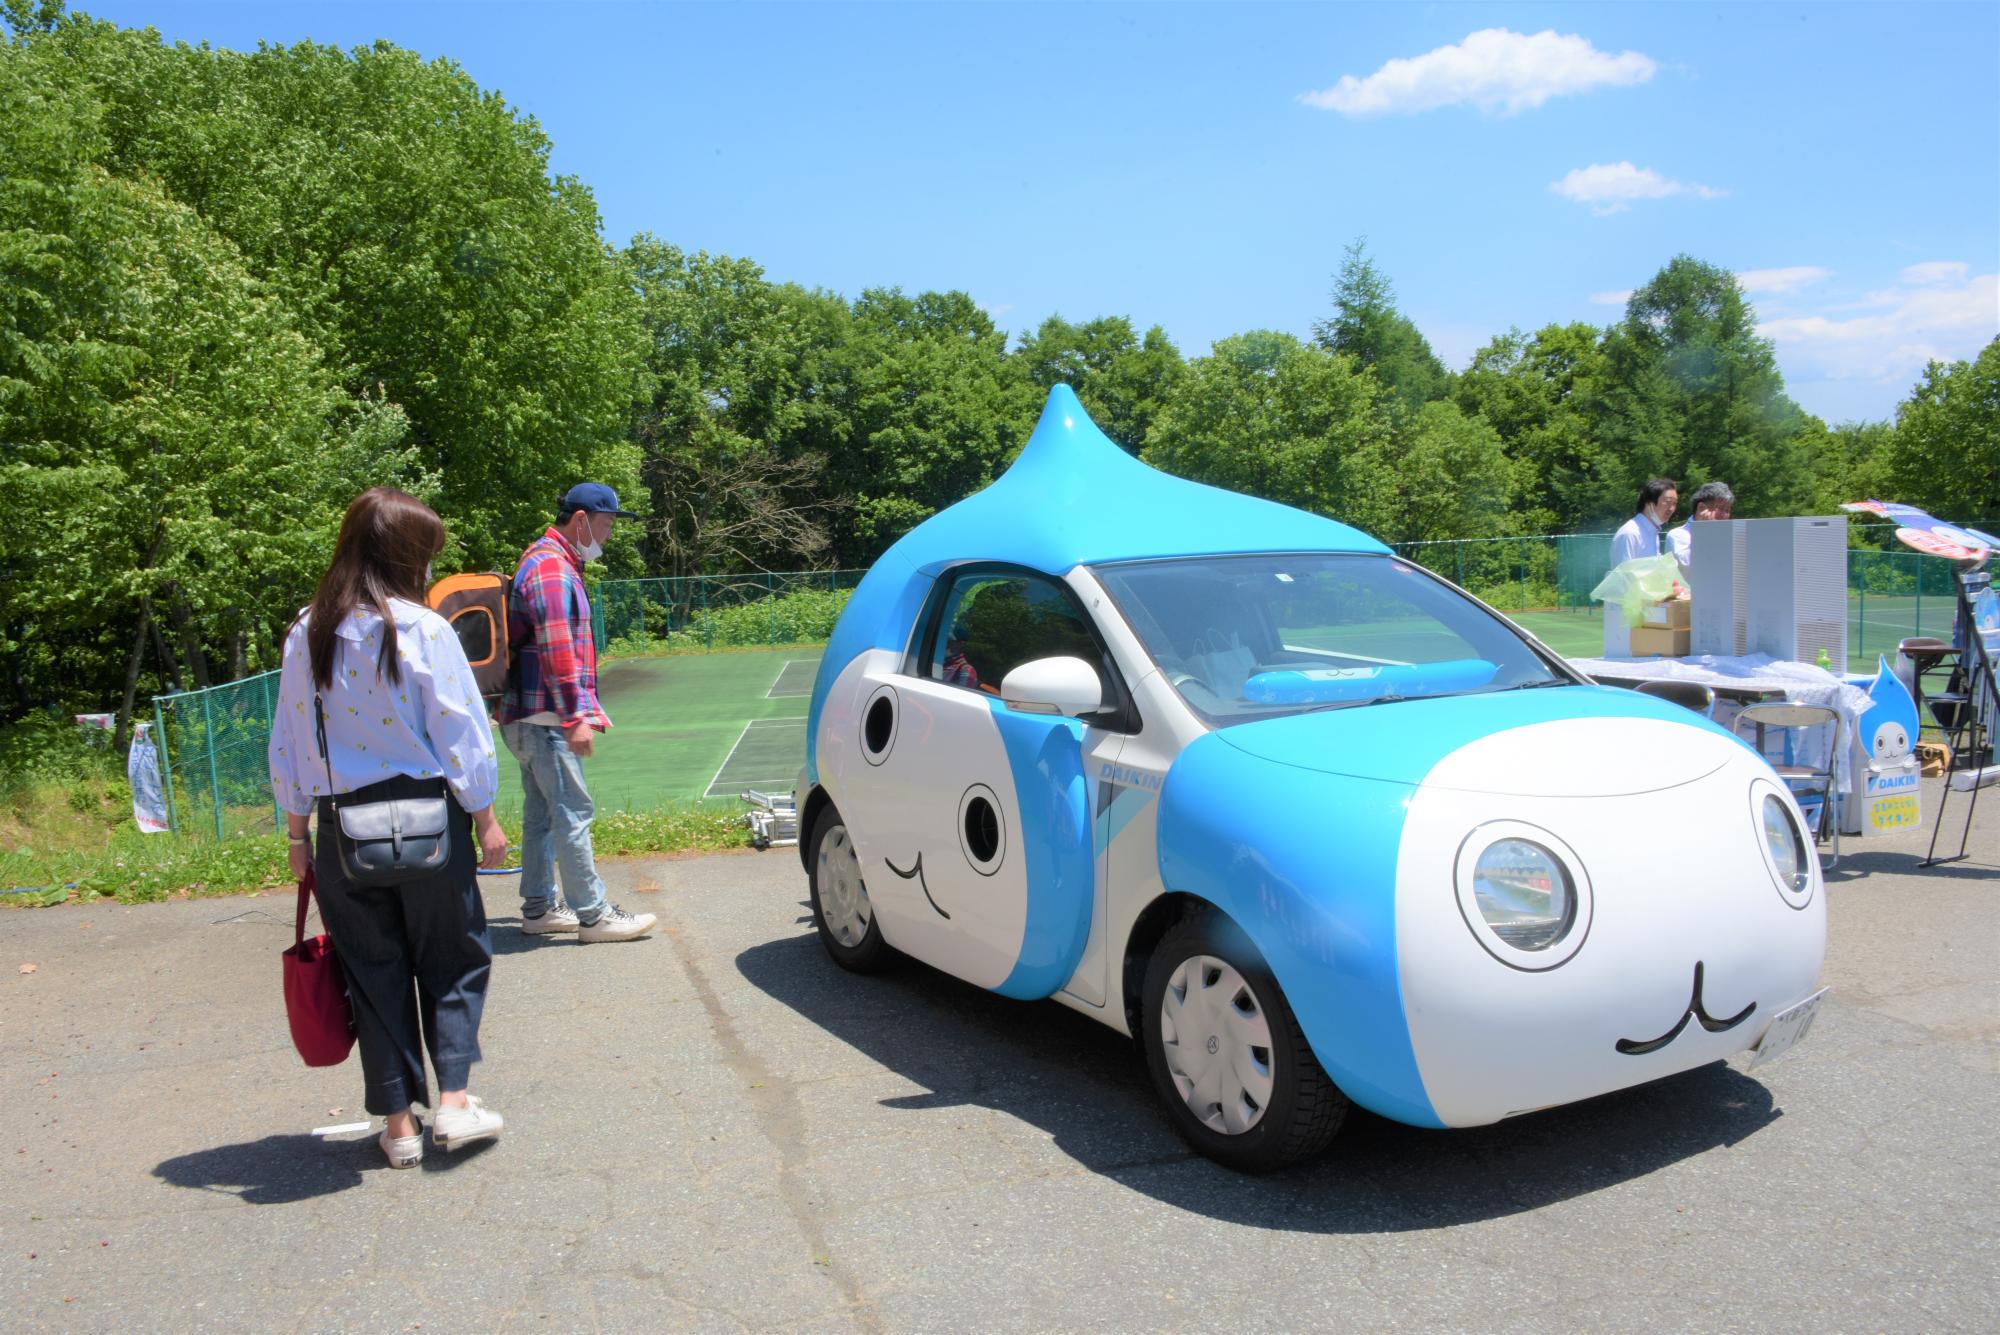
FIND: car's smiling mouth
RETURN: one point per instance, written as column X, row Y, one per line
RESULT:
column 1695, row 1011
column 916, row 873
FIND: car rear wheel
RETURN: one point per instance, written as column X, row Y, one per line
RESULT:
column 1227, row 1057
column 842, row 914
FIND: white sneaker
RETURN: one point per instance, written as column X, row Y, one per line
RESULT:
column 558, row 917
column 616, row 925
column 453, row 1127
column 402, row 1151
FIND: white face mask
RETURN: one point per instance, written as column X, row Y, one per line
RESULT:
column 429, row 579
column 592, row 549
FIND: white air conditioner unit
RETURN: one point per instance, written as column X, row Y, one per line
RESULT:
column 1719, row 578
column 1797, row 589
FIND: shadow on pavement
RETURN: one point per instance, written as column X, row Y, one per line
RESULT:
column 276, row 1170
column 1086, row 1086
column 281, row 1170
column 1855, row 867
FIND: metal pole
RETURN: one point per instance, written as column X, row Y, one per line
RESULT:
column 166, row 764
column 270, row 722
column 1861, row 609
column 214, row 779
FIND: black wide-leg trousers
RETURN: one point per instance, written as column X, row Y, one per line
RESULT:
column 416, row 956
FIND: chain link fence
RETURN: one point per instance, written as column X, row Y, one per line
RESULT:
column 699, row 612
column 213, row 742
column 214, row 756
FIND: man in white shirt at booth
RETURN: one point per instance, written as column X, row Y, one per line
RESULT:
column 1711, row 500
column 1641, row 535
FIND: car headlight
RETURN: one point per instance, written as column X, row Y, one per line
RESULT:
column 1790, row 858
column 1523, row 894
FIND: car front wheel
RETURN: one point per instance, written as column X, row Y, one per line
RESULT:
column 1227, row 1057
column 842, row 913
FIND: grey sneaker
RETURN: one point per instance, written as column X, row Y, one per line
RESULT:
column 558, row 917
column 616, row 925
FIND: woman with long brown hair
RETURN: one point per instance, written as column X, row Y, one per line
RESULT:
column 402, row 719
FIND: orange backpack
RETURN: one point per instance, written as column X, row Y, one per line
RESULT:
column 476, row 607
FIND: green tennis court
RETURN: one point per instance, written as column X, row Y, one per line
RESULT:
column 678, row 721
column 766, row 757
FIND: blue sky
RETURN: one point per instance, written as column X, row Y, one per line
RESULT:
column 1201, row 167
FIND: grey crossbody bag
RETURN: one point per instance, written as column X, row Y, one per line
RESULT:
column 390, row 840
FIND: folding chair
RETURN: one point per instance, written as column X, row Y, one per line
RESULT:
column 1798, row 722
column 1687, row 694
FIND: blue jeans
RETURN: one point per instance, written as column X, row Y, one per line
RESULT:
column 555, row 823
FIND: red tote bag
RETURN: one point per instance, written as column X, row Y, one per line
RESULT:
column 316, row 993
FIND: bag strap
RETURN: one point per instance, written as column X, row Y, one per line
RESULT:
column 325, row 756
column 307, row 884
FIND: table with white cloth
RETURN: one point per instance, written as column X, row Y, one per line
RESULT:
column 1740, row 680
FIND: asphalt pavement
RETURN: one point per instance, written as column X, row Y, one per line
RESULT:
column 716, row 1129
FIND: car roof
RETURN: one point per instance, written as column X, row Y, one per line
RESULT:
column 1073, row 497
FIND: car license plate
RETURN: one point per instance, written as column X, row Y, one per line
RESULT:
column 1787, row 1030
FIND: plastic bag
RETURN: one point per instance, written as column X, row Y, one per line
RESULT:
column 1637, row 584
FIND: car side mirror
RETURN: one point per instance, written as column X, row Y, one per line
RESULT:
column 1053, row 686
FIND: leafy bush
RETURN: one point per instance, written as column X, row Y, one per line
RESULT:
column 804, row 617
column 50, row 749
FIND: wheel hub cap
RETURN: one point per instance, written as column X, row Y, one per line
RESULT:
column 843, row 899
column 1217, row 1043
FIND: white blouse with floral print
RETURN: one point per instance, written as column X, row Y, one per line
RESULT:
column 428, row 725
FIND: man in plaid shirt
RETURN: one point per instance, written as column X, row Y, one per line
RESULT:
column 550, row 717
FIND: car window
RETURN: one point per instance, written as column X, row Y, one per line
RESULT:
column 992, row 623
column 1245, row 637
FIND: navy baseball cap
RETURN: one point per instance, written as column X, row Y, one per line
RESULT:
column 595, row 498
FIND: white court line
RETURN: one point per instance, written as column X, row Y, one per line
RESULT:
column 769, row 694
column 755, row 722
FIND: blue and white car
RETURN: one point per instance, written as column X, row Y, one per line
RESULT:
column 1309, row 823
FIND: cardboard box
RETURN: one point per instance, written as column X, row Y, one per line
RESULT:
column 1657, row 641
column 1673, row 614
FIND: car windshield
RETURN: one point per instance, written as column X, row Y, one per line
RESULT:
column 1250, row 637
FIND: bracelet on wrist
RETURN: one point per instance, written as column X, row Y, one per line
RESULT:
column 299, row 838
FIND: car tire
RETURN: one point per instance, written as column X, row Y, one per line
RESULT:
column 852, row 937
column 1270, row 1103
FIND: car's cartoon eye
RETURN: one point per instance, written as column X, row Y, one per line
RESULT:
column 1786, row 853
column 878, row 725
column 1524, row 895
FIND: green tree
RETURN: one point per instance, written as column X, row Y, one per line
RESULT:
column 1266, row 414
column 1367, row 327
column 730, row 373
column 1533, row 390
column 1451, row 476
column 935, row 411
column 174, row 449
column 1120, row 378
column 412, row 224
column 1947, row 454
column 1691, row 392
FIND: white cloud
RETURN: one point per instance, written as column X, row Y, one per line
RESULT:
column 1936, row 271
column 1783, row 280
column 1493, row 69
column 1940, row 314
column 1610, row 187
column 1611, row 298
